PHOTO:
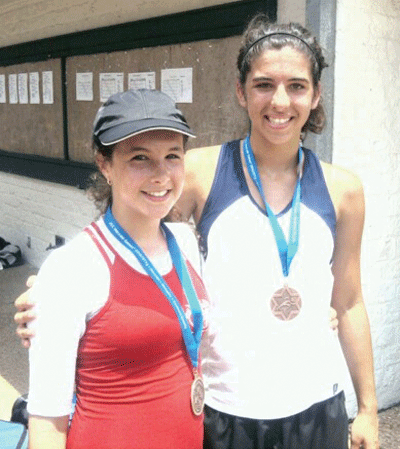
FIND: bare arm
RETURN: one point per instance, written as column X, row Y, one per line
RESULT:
column 354, row 329
column 48, row 433
column 200, row 165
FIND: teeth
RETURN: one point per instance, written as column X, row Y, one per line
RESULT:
column 162, row 193
column 278, row 121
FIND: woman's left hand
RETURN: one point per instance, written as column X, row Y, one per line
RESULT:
column 365, row 431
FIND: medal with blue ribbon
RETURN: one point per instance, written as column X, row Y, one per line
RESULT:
column 191, row 339
column 286, row 302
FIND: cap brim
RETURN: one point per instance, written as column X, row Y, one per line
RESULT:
column 125, row 131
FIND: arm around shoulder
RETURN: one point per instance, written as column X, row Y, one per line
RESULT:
column 200, row 164
column 24, row 314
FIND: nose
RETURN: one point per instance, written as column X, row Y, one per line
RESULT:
column 160, row 172
column 280, row 98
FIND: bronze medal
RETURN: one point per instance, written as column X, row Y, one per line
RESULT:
column 286, row 303
column 197, row 395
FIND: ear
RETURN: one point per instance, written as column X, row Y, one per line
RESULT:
column 316, row 96
column 241, row 96
column 103, row 164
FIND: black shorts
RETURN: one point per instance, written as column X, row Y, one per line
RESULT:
column 322, row 426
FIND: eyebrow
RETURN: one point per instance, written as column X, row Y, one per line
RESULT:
column 136, row 149
column 267, row 78
column 146, row 150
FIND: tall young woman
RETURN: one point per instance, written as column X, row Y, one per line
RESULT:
column 271, row 364
column 281, row 233
column 118, row 307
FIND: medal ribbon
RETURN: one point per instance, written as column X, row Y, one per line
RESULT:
column 287, row 250
column 192, row 340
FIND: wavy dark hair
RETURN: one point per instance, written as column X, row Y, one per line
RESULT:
column 296, row 36
column 98, row 189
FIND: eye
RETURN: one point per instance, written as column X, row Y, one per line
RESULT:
column 297, row 87
column 139, row 157
column 264, row 85
column 174, row 156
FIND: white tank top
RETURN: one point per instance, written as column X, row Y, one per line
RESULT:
column 256, row 365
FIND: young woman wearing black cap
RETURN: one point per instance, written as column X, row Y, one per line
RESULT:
column 119, row 307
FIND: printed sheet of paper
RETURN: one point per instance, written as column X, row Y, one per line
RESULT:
column 110, row 83
column 12, row 88
column 3, row 96
column 23, row 88
column 84, row 86
column 142, row 80
column 47, row 84
column 34, row 96
column 178, row 84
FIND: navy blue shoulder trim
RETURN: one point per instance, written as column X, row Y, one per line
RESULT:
column 229, row 184
column 314, row 192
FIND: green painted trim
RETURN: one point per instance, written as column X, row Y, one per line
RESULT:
column 47, row 169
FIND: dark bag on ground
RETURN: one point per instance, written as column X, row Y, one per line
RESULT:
column 10, row 255
column 19, row 412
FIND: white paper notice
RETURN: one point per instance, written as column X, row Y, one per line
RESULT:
column 47, row 84
column 84, row 86
column 142, row 80
column 12, row 88
column 110, row 83
column 177, row 83
column 34, row 96
column 3, row 97
column 23, row 88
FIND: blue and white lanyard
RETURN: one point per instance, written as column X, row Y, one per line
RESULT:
column 287, row 250
column 192, row 340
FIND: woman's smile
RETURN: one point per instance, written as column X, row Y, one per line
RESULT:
column 157, row 196
column 278, row 122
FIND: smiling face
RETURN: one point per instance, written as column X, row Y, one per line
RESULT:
column 146, row 173
column 278, row 95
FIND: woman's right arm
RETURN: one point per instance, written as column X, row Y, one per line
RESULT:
column 48, row 433
column 60, row 322
column 72, row 283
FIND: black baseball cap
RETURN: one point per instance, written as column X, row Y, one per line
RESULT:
column 132, row 112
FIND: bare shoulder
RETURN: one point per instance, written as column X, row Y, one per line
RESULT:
column 345, row 189
column 200, row 161
column 200, row 166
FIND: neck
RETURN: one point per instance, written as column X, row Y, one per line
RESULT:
column 275, row 158
column 146, row 233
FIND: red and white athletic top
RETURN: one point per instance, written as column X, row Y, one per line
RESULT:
column 99, row 312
